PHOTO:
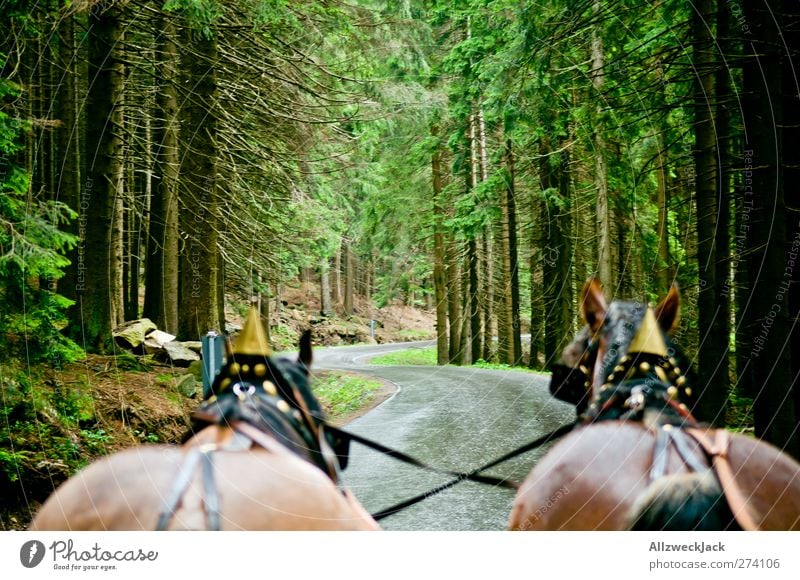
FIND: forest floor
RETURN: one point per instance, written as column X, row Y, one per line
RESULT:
column 102, row 404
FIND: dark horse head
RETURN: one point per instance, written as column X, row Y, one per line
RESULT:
column 624, row 361
column 272, row 394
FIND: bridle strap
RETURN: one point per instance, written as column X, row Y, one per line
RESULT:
column 718, row 451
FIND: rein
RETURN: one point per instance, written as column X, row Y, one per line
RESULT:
column 473, row 475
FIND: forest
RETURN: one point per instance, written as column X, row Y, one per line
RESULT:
column 482, row 158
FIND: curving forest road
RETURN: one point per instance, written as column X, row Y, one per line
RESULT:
column 458, row 418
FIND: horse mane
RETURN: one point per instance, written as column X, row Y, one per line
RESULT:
column 682, row 502
column 259, row 410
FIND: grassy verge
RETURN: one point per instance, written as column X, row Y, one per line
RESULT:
column 343, row 394
column 409, row 356
column 427, row 357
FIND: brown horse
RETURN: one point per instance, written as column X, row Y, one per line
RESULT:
column 258, row 459
column 639, row 459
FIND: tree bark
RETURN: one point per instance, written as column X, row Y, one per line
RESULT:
column 663, row 268
column 325, row 287
column 349, row 278
column 508, row 344
column 711, row 399
column 791, row 176
column 199, row 270
column 97, row 280
column 556, row 253
column 439, row 281
column 453, row 277
column 767, row 318
column 474, row 305
column 722, row 241
column 487, row 269
column 68, row 151
column 161, row 287
column 605, row 259
column 336, row 278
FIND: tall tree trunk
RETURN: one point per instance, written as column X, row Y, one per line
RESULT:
column 349, row 278
column 439, row 281
column 325, row 287
column 139, row 181
column 199, row 270
column 505, row 345
column 474, row 305
column 663, row 268
column 263, row 308
column 97, row 287
column 161, row 287
column 509, row 346
column 488, row 281
column 712, row 346
column 336, row 278
column 453, row 277
column 605, row 259
column 766, row 320
column 537, row 294
column 791, row 176
column 722, row 241
column 369, row 274
column 742, row 240
column 465, row 346
column 118, row 252
column 68, row 150
column 473, row 178
column 556, row 254
column 510, row 225
column 220, row 291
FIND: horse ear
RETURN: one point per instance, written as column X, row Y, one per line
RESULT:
column 668, row 312
column 306, row 355
column 593, row 304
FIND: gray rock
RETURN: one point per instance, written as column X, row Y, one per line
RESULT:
column 155, row 341
column 131, row 335
column 196, row 369
column 178, row 354
column 194, row 345
column 187, row 385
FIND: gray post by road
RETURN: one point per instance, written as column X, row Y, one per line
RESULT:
column 211, row 350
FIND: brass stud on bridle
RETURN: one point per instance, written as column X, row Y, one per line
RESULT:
column 270, row 388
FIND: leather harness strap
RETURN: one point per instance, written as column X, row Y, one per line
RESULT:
column 688, row 455
column 718, row 451
column 258, row 437
column 199, row 454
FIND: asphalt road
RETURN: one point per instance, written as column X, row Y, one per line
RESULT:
column 452, row 417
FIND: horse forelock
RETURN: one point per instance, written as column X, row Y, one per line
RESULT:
column 622, row 322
